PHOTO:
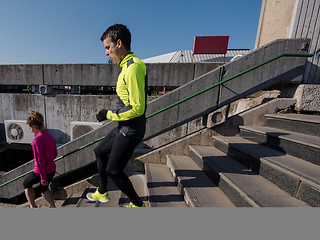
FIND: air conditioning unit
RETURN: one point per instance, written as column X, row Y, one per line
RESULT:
column 17, row 131
column 80, row 128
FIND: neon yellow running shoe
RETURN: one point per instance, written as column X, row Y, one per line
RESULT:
column 96, row 196
column 131, row 205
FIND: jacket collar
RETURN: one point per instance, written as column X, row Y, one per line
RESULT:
column 126, row 59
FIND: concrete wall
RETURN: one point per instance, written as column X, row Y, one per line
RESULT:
column 59, row 111
column 275, row 20
column 159, row 74
column 62, row 109
column 292, row 19
column 295, row 19
column 307, row 25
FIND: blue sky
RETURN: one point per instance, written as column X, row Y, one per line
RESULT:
column 68, row 31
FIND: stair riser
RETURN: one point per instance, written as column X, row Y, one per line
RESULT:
column 211, row 172
column 196, row 187
column 291, row 184
column 233, row 194
column 278, row 176
column 162, row 188
column 309, row 195
column 295, row 126
column 226, row 186
column 248, row 161
column 305, row 152
column 186, row 196
column 283, row 180
column 180, row 186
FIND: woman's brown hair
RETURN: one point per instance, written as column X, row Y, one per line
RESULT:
column 35, row 118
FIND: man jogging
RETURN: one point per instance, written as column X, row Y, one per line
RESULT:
column 115, row 150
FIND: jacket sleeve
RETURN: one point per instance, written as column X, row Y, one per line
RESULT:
column 39, row 157
column 135, row 84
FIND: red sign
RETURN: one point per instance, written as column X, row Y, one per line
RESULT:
column 211, row 45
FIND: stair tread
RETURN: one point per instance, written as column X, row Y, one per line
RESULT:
column 287, row 135
column 199, row 189
column 113, row 191
column 139, row 183
column 302, row 123
column 256, row 188
column 296, row 117
column 163, row 190
column 297, row 166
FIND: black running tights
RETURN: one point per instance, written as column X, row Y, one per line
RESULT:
column 113, row 154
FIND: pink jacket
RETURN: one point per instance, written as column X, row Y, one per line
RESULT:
column 44, row 151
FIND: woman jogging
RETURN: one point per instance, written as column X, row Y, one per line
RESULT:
column 45, row 151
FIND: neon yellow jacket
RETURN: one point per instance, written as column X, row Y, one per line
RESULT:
column 131, row 90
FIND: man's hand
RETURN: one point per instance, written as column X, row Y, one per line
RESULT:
column 102, row 115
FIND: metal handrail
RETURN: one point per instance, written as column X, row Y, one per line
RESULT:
column 177, row 103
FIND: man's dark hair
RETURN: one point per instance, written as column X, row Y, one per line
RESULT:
column 118, row 31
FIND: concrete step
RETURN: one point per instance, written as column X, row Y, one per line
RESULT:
column 299, row 178
column 74, row 192
column 139, row 182
column 74, row 195
column 302, row 123
column 299, row 145
column 244, row 187
column 113, row 191
column 78, row 191
column 163, row 190
column 67, row 196
column 117, row 198
column 198, row 189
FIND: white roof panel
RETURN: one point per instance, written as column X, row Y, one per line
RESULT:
column 186, row 56
column 165, row 58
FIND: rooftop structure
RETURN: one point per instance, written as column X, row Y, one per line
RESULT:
column 186, row 56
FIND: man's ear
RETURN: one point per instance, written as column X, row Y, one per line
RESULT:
column 119, row 43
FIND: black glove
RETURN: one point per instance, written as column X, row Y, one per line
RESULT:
column 102, row 115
